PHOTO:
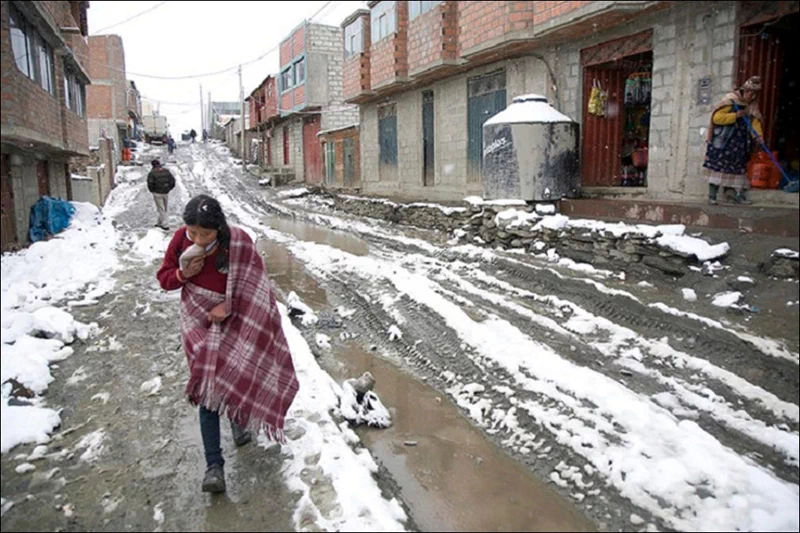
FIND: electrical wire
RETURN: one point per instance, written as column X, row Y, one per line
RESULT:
column 129, row 18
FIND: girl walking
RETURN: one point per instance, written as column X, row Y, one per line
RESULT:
column 239, row 362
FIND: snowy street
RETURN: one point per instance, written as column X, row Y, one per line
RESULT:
column 626, row 404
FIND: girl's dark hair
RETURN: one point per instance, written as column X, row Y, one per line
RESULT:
column 205, row 211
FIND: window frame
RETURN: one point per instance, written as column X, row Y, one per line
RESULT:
column 353, row 30
column 385, row 13
column 40, row 72
column 420, row 7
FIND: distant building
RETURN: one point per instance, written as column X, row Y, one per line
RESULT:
column 107, row 96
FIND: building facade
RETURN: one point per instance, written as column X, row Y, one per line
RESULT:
column 44, row 77
column 107, row 97
column 428, row 75
column 303, row 99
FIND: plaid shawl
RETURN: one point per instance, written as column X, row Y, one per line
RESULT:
column 241, row 367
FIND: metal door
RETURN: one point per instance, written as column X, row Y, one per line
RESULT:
column 602, row 136
column 312, row 150
column 349, row 162
column 486, row 98
column 8, row 221
column 387, row 137
column 286, row 145
column 330, row 163
column 428, row 161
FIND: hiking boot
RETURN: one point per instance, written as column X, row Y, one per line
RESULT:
column 214, row 480
column 240, row 435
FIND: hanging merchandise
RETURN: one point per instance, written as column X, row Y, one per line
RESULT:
column 645, row 89
column 603, row 103
column 594, row 98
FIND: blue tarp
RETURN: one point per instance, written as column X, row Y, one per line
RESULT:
column 49, row 216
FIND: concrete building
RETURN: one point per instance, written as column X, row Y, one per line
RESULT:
column 218, row 115
column 107, row 96
column 303, row 99
column 44, row 76
column 133, row 104
column 428, row 74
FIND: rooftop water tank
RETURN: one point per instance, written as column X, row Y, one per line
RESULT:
column 530, row 152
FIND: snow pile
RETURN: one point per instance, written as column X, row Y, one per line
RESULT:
column 689, row 295
column 152, row 246
column 546, row 209
column 363, row 409
column 787, row 253
column 293, row 193
column 36, row 334
column 298, row 308
column 444, row 209
column 726, row 299
column 331, row 451
column 264, row 181
column 323, row 341
column 152, row 386
column 688, row 246
column 51, row 271
column 395, row 332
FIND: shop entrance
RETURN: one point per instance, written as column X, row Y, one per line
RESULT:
column 764, row 50
column 617, row 96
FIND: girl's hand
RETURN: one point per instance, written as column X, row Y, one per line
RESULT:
column 194, row 267
column 218, row 313
column 741, row 113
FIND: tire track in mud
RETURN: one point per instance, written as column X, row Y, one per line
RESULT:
column 431, row 348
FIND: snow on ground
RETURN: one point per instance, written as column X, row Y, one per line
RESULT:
column 636, row 444
column 325, row 449
column 689, row 295
column 293, row 193
column 153, row 245
column 726, row 299
column 787, row 252
column 73, row 268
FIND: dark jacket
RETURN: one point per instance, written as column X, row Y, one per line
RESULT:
column 160, row 181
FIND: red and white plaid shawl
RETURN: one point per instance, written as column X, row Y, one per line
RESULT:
column 241, row 367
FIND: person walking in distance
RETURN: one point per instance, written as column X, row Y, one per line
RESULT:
column 193, row 135
column 160, row 182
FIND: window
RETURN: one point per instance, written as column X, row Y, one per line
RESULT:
column 300, row 72
column 417, row 8
column 287, row 79
column 353, row 38
column 74, row 93
column 384, row 20
column 32, row 55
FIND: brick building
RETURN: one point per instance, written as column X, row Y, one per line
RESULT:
column 44, row 75
column 430, row 73
column 133, row 105
column 304, row 98
column 107, row 96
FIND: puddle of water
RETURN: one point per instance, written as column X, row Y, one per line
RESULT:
column 454, row 479
column 318, row 234
column 290, row 275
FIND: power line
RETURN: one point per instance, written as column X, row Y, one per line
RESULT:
column 230, row 69
column 131, row 18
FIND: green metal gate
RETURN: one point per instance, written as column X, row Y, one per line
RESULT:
column 427, row 139
column 387, row 137
column 486, row 97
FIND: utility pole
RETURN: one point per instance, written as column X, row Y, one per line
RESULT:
column 202, row 110
column 209, row 116
column 241, row 121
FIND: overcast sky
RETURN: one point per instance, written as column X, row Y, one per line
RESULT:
column 187, row 38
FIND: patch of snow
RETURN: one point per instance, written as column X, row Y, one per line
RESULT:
column 787, row 252
column 151, row 387
column 152, row 246
column 529, row 109
column 745, row 279
column 102, row 396
column 24, row 468
column 395, row 333
column 555, row 223
column 645, row 284
column 689, row 295
column 444, row 209
column 726, row 299
column 93, row 446
column 323, row 341
column 546, row 209
column 686, row 245
column 21, row 424
column 370, row 411
column 293, row 193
